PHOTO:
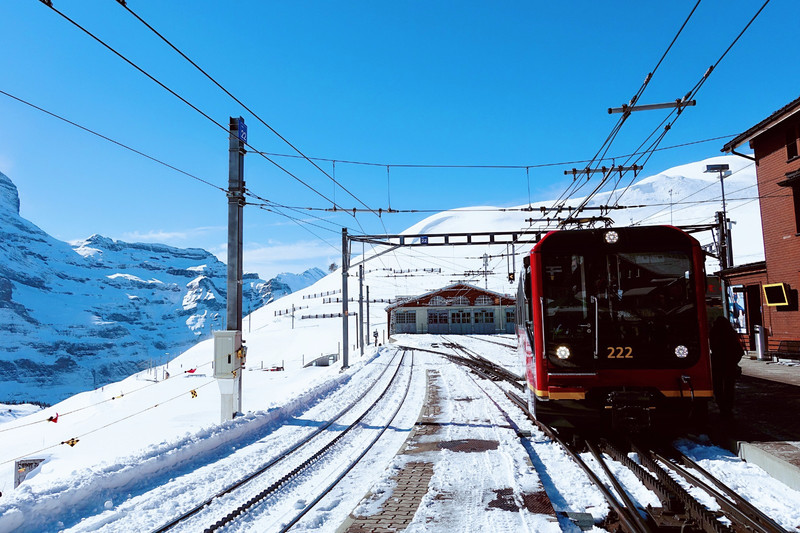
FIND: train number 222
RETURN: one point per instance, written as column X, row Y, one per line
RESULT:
column 620, row 352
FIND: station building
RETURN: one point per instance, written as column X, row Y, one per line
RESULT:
column 460, row 309
column 769, row 289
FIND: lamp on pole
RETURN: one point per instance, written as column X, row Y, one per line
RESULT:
column 726, row 238
column 726, row 248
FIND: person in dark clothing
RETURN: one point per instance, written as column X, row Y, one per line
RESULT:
column 726, row 352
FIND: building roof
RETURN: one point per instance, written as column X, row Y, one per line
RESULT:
column 749, row 268
column 774, row 119
column 449, row 288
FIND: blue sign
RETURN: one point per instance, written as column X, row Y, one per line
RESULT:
column 423, row 240
column 242, row 130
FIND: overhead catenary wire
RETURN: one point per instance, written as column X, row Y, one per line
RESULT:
column 238, row 101
column 181, row 98
column 571, row 190
column 691, row 95
column 491, row 166
column 161, row 162
column 109, row 139
column 679, row 108
column 711, row 184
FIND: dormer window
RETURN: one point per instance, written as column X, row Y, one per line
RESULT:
column 437, row 301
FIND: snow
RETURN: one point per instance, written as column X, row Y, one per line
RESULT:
column 147, row 449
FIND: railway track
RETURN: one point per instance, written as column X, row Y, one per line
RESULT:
column 472, row 359
column 291, row 465
column 680, row 510
column 662, row 469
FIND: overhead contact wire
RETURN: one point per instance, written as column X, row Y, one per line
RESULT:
column 178, row 96
column 226, row 91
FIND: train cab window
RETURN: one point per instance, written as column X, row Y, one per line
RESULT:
column 633, row 300
column 566, row 290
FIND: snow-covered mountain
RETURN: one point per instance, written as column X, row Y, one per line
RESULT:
column 75, row 316
column 154, row 431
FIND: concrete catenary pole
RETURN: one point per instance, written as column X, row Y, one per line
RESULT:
column 229, row 354
column 345, row 267
column 361, row 308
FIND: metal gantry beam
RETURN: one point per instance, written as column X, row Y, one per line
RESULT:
column 415, row 240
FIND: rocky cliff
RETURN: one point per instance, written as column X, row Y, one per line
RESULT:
column 74, row 316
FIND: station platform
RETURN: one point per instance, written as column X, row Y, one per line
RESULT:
column 765, row 429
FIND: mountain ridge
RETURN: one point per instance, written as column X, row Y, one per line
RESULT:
column 75, row 316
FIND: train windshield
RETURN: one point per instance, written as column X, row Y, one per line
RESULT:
column 623, row 309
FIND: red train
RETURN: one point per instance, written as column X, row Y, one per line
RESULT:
column 612, row 326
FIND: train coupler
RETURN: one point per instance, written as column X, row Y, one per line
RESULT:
column 630, row 410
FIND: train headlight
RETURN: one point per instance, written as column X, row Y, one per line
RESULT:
column 681, row 351
column 611, row 237
column 563, row 352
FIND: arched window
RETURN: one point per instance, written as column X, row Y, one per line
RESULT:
column 460, row 300
column 484, row 300
column 437, row 301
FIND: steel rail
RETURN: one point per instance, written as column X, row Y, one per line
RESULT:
column 735, row 506
column 630, row 505
column 509, row 346
column 475, row 359
column 335, row 482
column 628, row 522
column 270, row 490
column 269, row 464
column 706, row 519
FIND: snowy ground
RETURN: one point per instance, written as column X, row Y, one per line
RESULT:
column 150, row 466
column 146, row 447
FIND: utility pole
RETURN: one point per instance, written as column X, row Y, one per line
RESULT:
column 345, row 267
column 292, row 316
column 366, row 332
column 485, row 271
column 229, row 352
column 361, row 308
column 725, row 244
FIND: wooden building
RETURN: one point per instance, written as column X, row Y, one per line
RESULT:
column 768, row 289
column 456, row 309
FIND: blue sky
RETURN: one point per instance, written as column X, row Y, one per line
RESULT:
column 460, row 83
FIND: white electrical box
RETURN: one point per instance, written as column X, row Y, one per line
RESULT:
column 228, row 354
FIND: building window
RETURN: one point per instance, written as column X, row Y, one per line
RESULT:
column 484, row 317
column 437, row 317
column 792, row 181
column 437, row 301
column 510, row 316
column 484, row 300
column 405, row 317
column 791, row 143
column 796, row 197
column 461, row 317
column 460, row 300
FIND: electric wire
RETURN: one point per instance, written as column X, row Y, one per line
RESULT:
column 570, row 191
column 109, row 139
column 692, row 94
column 711, row 184
column 156, row 160
column 678, row 110
column 88, row 406
column 181, row 98
column 76, row 438
column 238, row 101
